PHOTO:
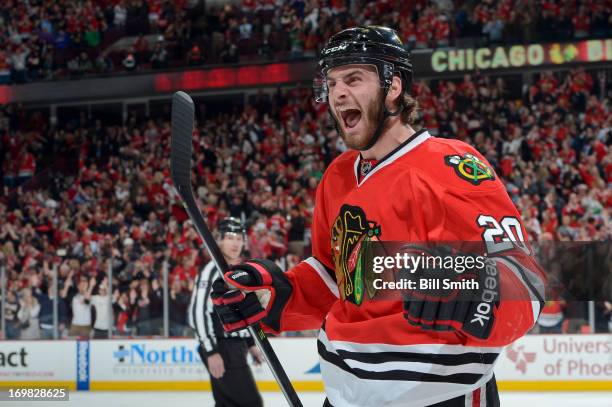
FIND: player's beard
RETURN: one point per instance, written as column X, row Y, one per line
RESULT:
column 371, row 116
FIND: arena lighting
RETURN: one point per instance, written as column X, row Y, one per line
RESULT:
column 225, row 78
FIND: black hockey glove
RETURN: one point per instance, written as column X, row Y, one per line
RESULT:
column 260, row 292
column 444, row 299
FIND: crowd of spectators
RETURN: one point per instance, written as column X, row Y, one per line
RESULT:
column 49, row 39
column 552, row 150
column 120, row 211
column 262, row 163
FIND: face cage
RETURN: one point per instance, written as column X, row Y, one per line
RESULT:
column 385, row 71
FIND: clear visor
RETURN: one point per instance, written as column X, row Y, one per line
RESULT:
column 319, row 85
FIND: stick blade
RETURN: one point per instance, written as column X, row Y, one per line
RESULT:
column 182, row 130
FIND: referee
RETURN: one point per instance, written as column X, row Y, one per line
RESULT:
column 224, row 354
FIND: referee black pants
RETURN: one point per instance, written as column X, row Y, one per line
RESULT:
column 485, row 396
column 236, row 388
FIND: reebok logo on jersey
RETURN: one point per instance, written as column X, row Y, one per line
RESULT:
column 489, row 294
column 481, row 320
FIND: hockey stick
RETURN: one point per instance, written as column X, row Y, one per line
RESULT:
column 180, row 167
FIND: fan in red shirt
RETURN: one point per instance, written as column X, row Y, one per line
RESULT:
column 581, row 81
column 581, row 23
column 442, row 30
column 27, row 166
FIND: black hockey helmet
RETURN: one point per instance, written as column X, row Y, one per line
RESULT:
column 230, row 225
column 372, row 45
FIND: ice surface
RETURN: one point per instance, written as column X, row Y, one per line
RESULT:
column 309, row 399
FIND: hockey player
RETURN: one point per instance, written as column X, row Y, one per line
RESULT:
column 224, row 354
column 395, row 184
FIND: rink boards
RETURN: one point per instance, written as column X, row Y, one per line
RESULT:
column 534, row 363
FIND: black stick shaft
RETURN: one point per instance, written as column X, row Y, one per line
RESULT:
column 255, row 330
column 182, row 125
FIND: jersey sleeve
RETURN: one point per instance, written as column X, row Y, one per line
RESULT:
column 313, row 280
column 461, row 211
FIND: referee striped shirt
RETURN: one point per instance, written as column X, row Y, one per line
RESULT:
column 202, row 318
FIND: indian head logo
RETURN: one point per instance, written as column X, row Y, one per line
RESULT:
column 520, row 357
column 350, row 231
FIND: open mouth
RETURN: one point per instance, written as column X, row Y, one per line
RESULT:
column 350, row 117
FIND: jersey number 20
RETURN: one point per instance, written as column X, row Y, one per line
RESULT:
column 503, row 235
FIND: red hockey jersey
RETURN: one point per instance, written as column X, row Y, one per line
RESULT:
column 426, row 190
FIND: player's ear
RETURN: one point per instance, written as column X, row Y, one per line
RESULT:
column 394, row 93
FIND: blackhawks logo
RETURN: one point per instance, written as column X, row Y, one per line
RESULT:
column 350, row 231
column 470, row 168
